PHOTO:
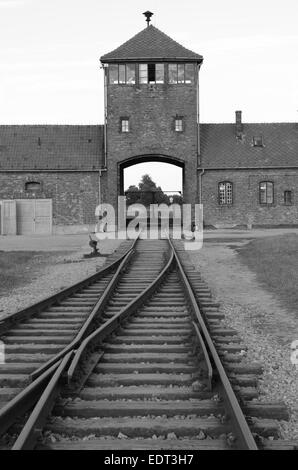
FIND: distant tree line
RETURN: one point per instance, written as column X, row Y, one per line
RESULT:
column 147, row 192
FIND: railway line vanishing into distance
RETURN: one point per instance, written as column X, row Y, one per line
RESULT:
column 133, row 357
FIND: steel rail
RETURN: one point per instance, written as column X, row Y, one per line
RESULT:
column 245, row 440
column 31, row 430
column 94, row 314
column 206, row 356
column 24, row 400
column 33, row 427
column 102, row 332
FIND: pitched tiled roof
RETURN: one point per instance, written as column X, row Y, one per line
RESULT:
column 51, row 147
column 221, row 149
column 63, row 147
column 151, row 43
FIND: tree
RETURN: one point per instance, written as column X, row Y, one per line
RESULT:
column 148, row 193
column 132, row 195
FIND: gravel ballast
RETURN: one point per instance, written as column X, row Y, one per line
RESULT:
column 62, row 271
column 265, row 326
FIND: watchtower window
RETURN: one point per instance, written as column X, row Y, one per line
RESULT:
column 151, row 73
column 123, row 74
column 181, row 73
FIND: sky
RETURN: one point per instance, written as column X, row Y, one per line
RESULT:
column 50, row 49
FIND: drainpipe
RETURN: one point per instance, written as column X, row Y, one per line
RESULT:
column 104, row 67
column 202, row 171
column 99, row 186
column 198, row 118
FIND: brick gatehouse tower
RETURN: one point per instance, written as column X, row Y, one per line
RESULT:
column 151, row 110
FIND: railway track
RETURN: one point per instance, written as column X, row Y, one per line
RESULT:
column 36, row 336
column 149, row 376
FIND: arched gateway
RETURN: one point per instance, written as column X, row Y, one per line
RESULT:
column 123, row 165
column 151, row 110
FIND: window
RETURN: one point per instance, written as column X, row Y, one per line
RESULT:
column 181, row 73
column 124, row 74
column 121, row 74
column 266, row 192
column 225, row 193
column 173, row 73
column 258, row 141
column 32, row 186
column 130, row 74
column 159, row 73
column 143, row 73
column 124, row 124
column 288, row 198
column 178, row 124
column 151, row 73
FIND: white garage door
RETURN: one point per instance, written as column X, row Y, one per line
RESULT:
column 34, row 216
column 8, row 217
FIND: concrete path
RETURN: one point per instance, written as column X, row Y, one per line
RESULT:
column 54, row 243
column 80, row 242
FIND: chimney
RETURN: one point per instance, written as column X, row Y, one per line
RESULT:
column 239, row 125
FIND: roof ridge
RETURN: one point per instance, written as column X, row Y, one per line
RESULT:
column 52, row 125
column 261, row 123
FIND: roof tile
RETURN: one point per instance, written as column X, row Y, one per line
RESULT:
column 221, row 149
column 66, row 147
column 51, row 147
column 151, row 43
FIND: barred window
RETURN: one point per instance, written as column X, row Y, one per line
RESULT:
column 266, row 189
column 124, row 125
column 225, row 193
column 178, row 124
column 288, row 198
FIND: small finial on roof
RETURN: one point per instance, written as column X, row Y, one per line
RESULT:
column 148, row 15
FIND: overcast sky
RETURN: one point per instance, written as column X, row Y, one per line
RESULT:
column 50, row 49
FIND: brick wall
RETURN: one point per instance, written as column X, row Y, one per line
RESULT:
column 246, row 208
column 151, row 111
column 74, row 195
